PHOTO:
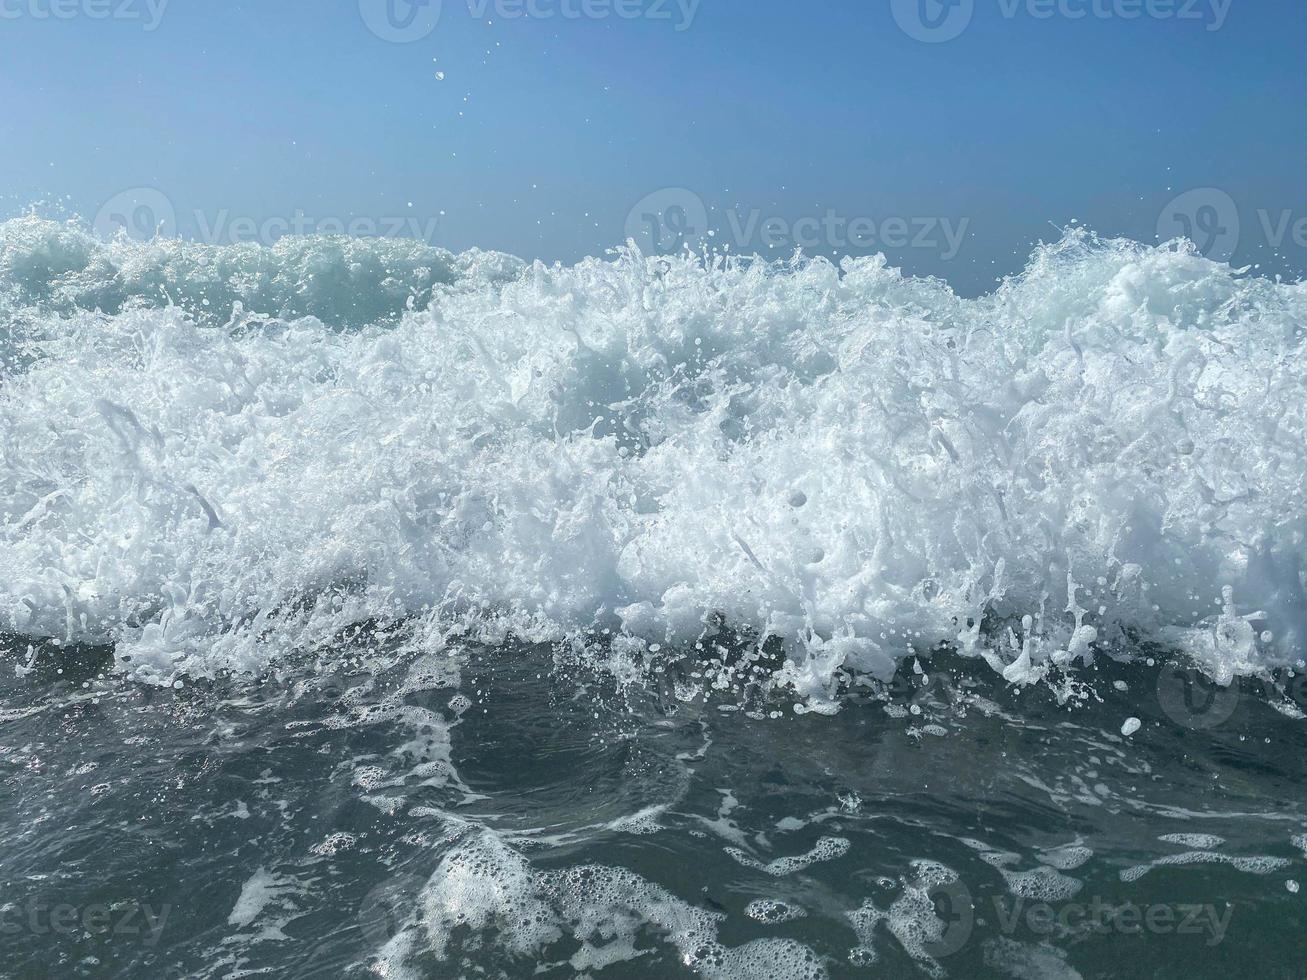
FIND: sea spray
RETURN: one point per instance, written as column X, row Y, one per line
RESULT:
column 210, row 457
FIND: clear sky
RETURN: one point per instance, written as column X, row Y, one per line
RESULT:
column 537, row 127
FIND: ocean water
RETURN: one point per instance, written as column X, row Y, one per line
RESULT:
column 367, row 609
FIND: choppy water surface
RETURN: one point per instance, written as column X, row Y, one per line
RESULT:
column 496, row 812
column 371, row 610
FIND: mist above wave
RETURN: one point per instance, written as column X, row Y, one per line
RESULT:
column 1109, row 448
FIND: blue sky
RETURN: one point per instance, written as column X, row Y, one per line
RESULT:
column 797, row 121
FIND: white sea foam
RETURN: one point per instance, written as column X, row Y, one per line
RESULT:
column 612, row 913
column 1257, row 865
column 773, row 910
column 1202, row 842
column 1066, row 858
column 912, row 919
column 826, row 849
column 1112, row 446
column 1043, row 883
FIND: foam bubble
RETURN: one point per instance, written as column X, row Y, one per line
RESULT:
column 773, row 910
column 483, row 884
column 826, row 849
column 1258, row 865
column 911, row 918
column 1066, row 858
column 1202, row 842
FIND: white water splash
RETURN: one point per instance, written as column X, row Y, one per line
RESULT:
column 1111, row 447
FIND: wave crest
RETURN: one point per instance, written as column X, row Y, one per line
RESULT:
column 1108, row 449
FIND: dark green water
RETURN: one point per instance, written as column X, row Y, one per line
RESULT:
column 500, row 812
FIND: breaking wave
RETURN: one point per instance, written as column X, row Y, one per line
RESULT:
column 211, row 457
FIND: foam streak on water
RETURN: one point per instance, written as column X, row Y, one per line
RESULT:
column 248, row 450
